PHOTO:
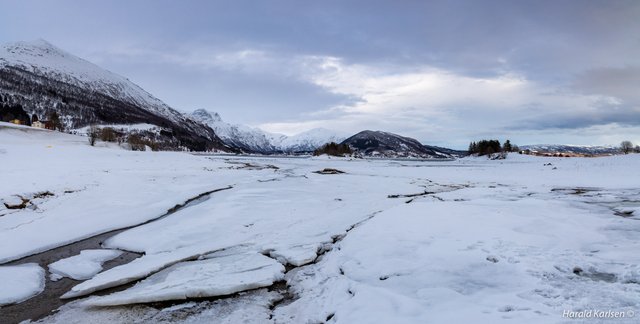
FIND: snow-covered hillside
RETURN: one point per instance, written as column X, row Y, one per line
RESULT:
column 385, row 144
column 40, row 79
column 271, row 240
column 42, row 58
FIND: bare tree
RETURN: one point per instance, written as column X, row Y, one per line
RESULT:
column 93, row 135
column 626, row 147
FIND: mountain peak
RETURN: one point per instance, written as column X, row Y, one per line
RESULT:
column 36, row 48
column 42, row 43
column 205, row 116
column 378, row 134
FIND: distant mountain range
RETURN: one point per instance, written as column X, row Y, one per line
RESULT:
column 365, row 143
column 306, row 141
column 255, row 140
column 574, row 149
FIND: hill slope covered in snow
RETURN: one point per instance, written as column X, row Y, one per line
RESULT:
column 384, row 144
column 40, row 79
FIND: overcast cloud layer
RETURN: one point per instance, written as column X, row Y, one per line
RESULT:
column 444, row 72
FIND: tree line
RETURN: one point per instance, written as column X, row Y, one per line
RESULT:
column 627, row 147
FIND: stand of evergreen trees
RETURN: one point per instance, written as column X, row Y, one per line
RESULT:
column 487, row 147
column 333, row 149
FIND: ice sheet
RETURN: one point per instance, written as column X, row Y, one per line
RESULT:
column 20, row 282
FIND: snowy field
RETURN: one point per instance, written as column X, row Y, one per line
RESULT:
column 226, row 239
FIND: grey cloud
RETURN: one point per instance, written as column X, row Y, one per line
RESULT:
column 619, row 82
column 590, row 47
column 625, row 116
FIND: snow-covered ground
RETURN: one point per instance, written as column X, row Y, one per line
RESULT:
column 524, row 239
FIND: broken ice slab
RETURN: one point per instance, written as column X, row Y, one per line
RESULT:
column 219, row 276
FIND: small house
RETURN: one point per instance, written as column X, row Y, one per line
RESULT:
column 38, row 124
column 16, row 121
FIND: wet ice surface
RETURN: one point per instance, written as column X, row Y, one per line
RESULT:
column 386, row 241
column 275, row 218
column 19, row 283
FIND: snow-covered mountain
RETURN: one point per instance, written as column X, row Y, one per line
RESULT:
column 242, row 137
column 306, row 141
column 383, row 144
column 42, row 79
column 255, row 140
column 574, row 149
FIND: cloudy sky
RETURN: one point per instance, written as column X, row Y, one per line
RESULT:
column 444, row 72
